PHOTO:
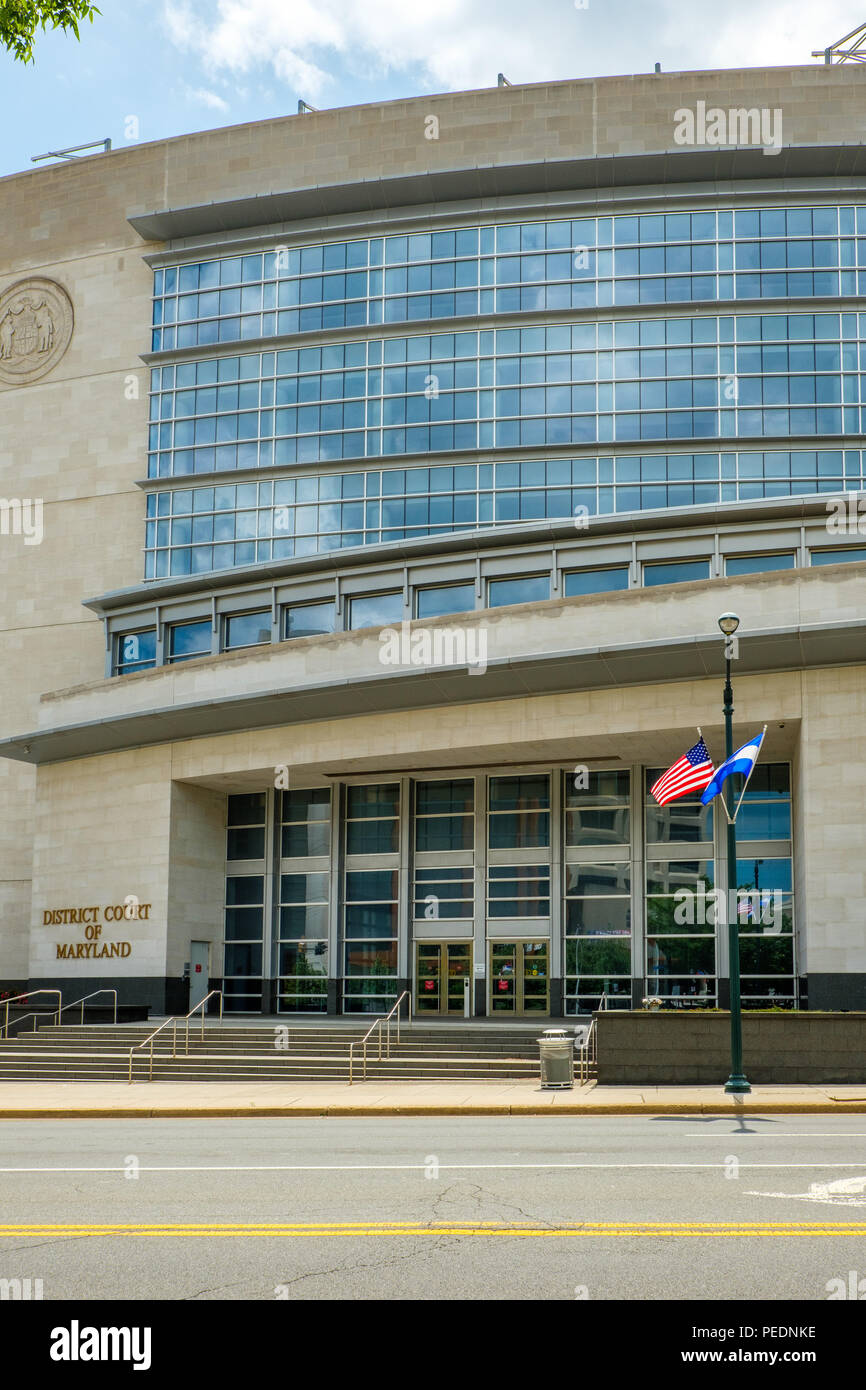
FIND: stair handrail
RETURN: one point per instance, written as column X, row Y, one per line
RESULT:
column 386, row 1020
column 586, row 1048
column 196, row 1009
column 155, row 1033
column 30, row 994
column 82, row 1002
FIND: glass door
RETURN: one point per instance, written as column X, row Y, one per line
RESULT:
column 535, row 978
column 458, row 968
column 503, row 977
column 519, row 978
column 442, row 968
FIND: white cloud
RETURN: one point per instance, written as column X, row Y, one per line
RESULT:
column 460, row 44
column 206, row 98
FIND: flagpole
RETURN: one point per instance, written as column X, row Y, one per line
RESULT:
column 736, row 1083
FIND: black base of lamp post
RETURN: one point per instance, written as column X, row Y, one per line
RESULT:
column 737, row 1085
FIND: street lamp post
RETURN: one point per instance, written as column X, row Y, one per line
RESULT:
column 736, row 1083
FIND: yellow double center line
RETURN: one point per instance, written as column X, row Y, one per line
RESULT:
column 601, row 1230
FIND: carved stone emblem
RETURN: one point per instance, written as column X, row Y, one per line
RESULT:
column 36, row 323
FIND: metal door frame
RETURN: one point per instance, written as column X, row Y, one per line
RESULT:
column 518, row 943
column 442, row 946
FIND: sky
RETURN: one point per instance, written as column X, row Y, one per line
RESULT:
column 150, row 69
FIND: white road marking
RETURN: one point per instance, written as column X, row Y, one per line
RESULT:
column 844, row 1192
column 781, row 1134
column 417, row 1167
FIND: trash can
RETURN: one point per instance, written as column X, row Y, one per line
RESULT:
column 557, row 1059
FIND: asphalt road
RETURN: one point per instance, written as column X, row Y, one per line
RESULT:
column 668, row 1207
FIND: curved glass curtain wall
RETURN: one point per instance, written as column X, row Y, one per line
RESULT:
column 513, row 268
column 200, row 529
column 697, row 383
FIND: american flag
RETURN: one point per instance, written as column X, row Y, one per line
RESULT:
column 690, row 774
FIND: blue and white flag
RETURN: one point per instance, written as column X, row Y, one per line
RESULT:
column 742, row 761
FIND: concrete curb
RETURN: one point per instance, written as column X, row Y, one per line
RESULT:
column 253, row 1111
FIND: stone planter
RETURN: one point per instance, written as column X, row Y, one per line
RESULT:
column 693, row 1047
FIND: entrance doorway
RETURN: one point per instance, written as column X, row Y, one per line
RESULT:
column 199, row 975
column 519, row 978
column 442, row 968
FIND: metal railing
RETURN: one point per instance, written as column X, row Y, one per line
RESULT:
column 380, row 1022
column 30, row 995
column 150, row 1039
column 82, row 1002
column 198, row 1006
column 587, row 1053
column 174, row 1020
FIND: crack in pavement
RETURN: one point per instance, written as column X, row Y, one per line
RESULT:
column 420, row 1250
column 484, row 1201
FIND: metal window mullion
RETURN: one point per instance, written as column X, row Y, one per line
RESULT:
column 480, row 903
column 272, row 896
column 403, row 902
column 556, row 887
column 638, row 876
column 335, row 885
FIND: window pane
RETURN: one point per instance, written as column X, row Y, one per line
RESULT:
column 246, row 888
column 675, row 572
column 247, row 843
column 757, row 564
column 310, row 619
column 667, row 876
column 371, row 958
column 372, row 837
column 598, row 917
column 594, row 879
column 678, row 821
column 610, row 957
column 597, row 789
column 376, row 610
column 766, row 820
column 838, row 557
column 369, row 802
column 519, row 793
column 301, row 841
column 450, row 598
column 248, row 629
column 767, row 955
column 529, row 590
column 371, row 885
column 444, row 833
column 189, row 639
column 445, row 798
column 304, row 888
column 300, row 922
column 769, row 781
column 136, row 651
column 247, row 809
column 595, row 581
column 673, row 955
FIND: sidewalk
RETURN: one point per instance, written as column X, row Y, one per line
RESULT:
column 160, row 1099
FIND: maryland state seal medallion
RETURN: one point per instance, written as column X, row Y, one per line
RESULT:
column 36, row 323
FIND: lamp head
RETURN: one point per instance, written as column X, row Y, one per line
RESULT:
column 729, row 622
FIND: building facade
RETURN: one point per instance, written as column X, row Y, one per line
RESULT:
column 374, row 481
